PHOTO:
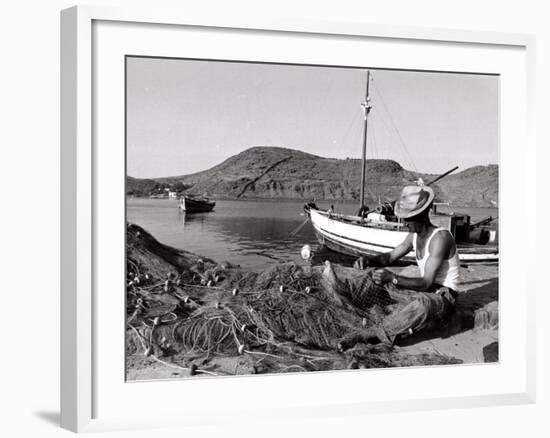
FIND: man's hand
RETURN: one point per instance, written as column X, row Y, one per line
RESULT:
column 361, row 263
column 382, row 276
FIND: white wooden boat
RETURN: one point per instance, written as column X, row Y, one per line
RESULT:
column 376, row 233
column 357, row 236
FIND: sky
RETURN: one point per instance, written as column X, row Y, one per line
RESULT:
column 184, row 116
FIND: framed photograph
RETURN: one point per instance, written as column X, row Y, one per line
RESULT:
column 264, row 214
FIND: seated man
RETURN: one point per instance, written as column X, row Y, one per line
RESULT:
column 437, row 258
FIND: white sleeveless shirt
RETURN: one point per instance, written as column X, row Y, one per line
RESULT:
column 447, row 274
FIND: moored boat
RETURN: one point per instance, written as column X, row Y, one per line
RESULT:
column 364, row 236
column 196, row 204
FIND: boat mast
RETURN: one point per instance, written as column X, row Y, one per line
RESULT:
column 366, row 110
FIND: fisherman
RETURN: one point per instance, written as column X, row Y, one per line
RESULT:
column 437, row 259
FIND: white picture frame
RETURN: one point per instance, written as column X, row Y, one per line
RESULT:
column 82, row 368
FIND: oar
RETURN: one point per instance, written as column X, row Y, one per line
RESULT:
column 443, row 175
column 299, row 227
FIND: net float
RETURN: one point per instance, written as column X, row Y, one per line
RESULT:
column 235, row 292
column 257, row 369
column 156, row 321
column 281, row 288
column 240, row 349
column 147, row 352
column 243, row 327
column 209, row 283
column 306, row 252
column 308, row 289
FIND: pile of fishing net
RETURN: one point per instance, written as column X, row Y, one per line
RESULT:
column 288, row 317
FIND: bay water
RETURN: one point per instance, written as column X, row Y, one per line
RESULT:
column 250, row 233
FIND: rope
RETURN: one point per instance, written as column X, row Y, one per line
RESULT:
column 299, row 227
column 172, row 315
column 402, row 142
column 374, row 143
column 170, row 364
column 347, row 164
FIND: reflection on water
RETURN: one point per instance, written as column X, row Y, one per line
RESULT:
column 252, row 234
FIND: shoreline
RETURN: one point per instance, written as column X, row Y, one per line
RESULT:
column 298, row 201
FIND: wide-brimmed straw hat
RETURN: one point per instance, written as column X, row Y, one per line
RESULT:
column 413, row 201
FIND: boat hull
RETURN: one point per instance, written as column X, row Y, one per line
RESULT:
column 363, row 240
column 190, row 205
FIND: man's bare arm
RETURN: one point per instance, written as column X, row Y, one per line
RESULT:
column 388, row 258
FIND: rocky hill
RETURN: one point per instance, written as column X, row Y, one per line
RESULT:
column 476, row 186
column 280, row 173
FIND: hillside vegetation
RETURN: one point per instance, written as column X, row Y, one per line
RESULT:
column 281, row 173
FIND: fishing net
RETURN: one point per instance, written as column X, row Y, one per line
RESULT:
column 268, row 317
column 365, row 293
column 286, row 303
column 288, row 313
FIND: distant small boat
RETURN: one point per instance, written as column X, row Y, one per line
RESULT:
column 196, row 204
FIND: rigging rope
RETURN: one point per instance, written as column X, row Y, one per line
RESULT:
column 346, row 175
column 374, row 145
column 401, row 141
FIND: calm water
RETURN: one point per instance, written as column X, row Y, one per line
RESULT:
column 252, row 234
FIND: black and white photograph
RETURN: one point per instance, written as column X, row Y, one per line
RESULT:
column 290, row 218
column 287, row 218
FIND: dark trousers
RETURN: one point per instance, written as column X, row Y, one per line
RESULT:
column 417, row 311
